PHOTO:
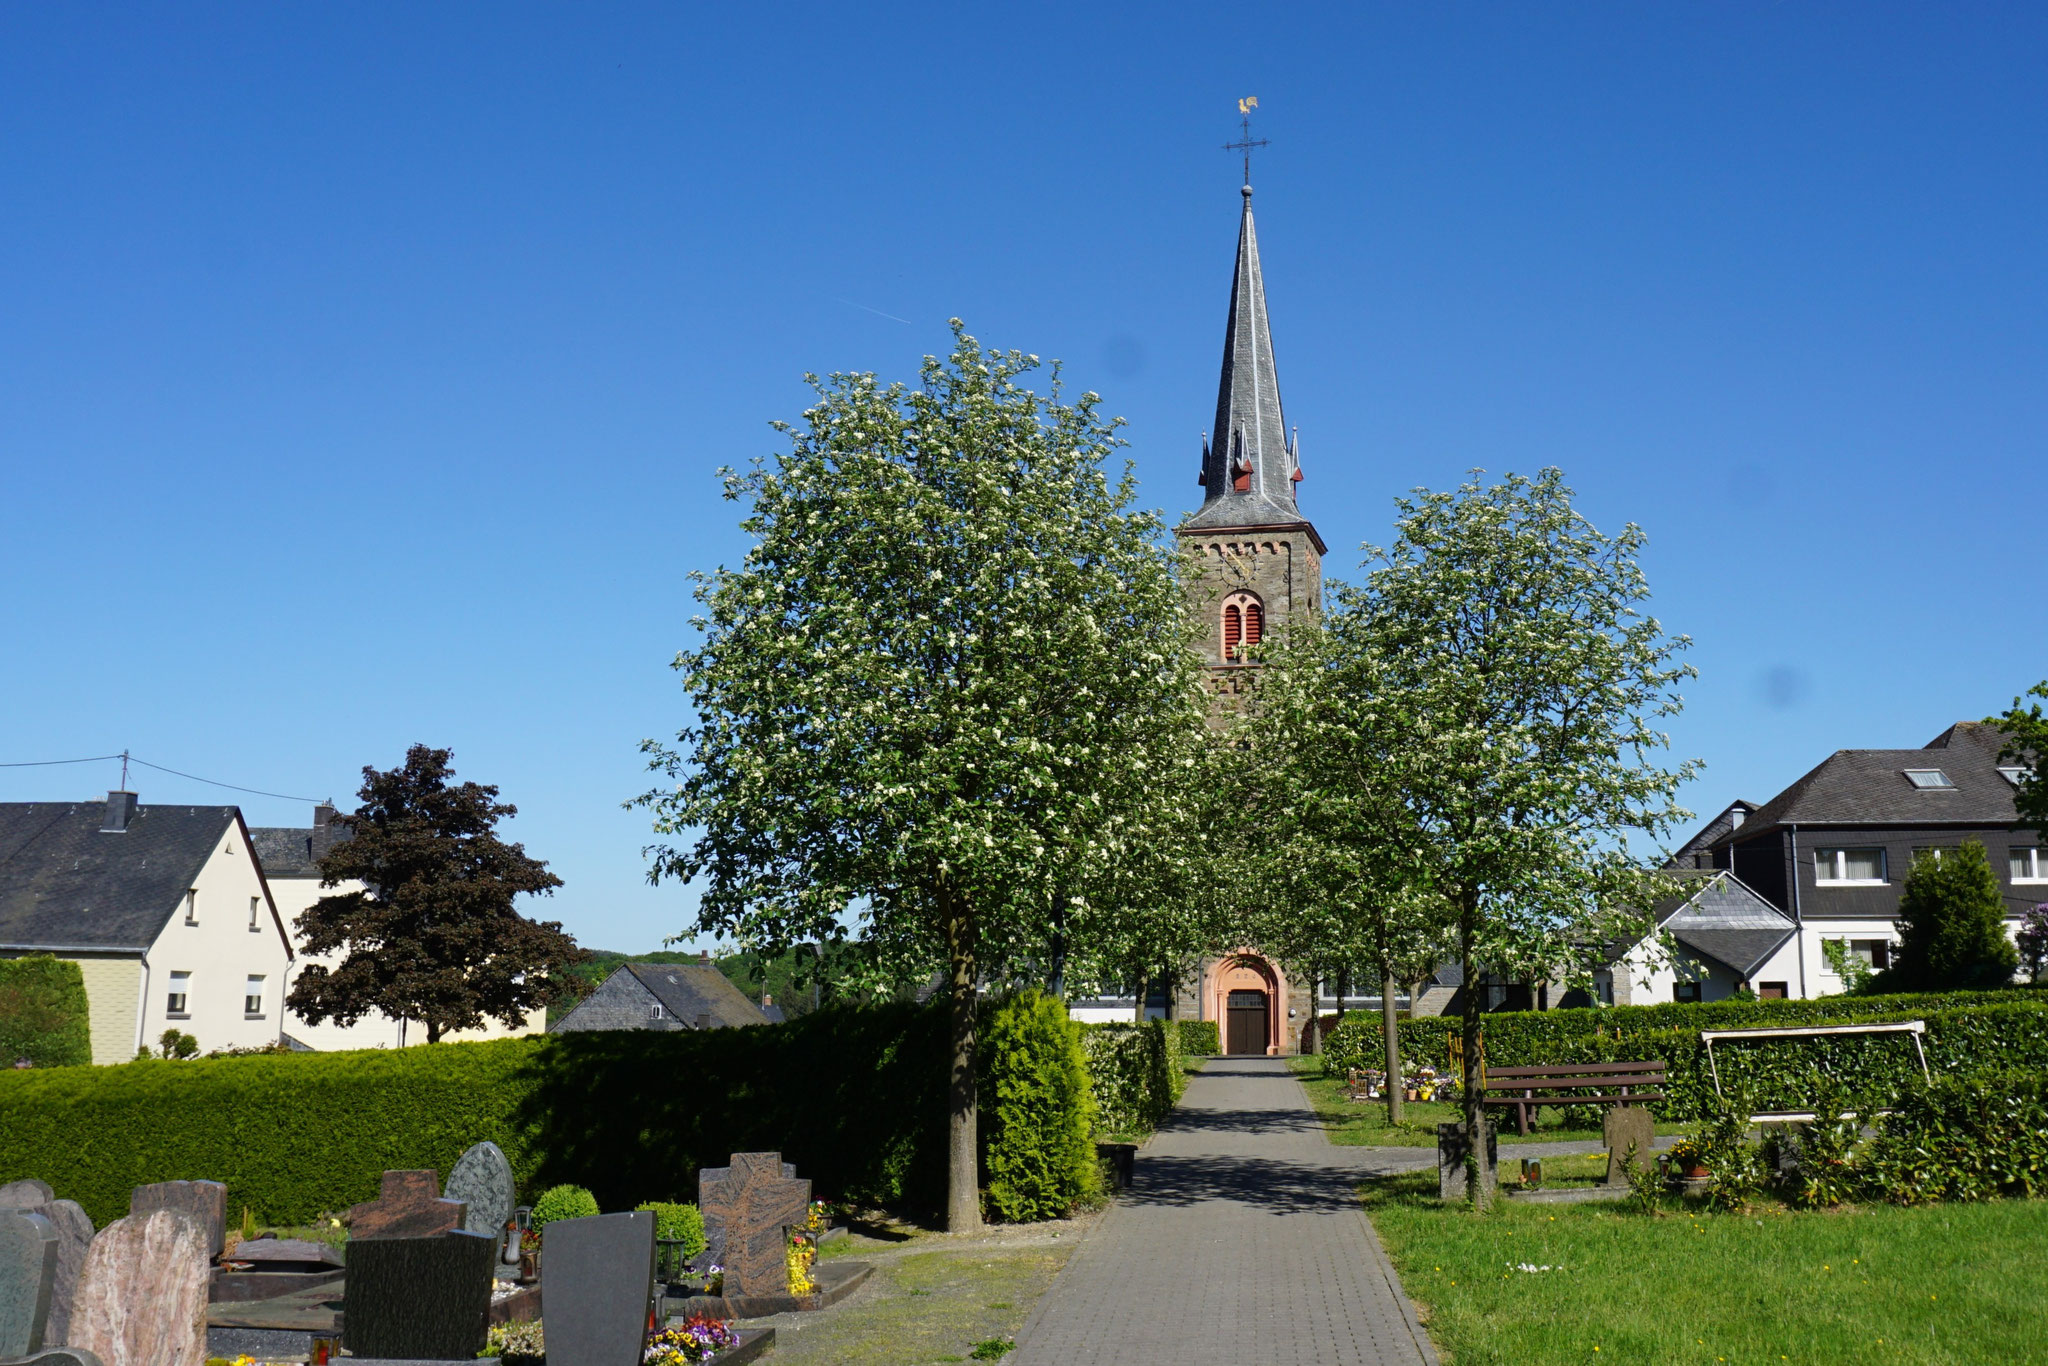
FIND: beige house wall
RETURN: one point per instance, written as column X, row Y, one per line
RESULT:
column 113, row 991
column 231, row 936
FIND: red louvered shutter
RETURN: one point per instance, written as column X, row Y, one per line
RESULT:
column 1233, row 630
column 1254, row 619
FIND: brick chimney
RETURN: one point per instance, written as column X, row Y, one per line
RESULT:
column 120, row 810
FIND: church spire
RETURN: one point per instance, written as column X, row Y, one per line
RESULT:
column 1249, row 465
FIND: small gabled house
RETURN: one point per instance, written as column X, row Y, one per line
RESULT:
column 163, row 908
column 1725, row 938
column 663, row 996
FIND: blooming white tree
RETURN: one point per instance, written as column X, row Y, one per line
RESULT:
column 952, row 663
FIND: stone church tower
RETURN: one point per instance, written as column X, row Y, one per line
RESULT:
column 1261, row 563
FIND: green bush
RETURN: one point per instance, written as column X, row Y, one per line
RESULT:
column 1951, row 925
column 677, row 1223
column 1135, row 1073
column 1038, row 1161
column 564, row 1202
column 1968, row 1137
column 1199, row 1038
column 44, row 1014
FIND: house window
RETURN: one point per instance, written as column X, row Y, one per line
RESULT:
column 1770, row 991
column 1921, row 851
column 1685, row 991
column 255, row 908
column 2029, row 864
column 252, row 996
column 655, row 1012
column 1875, row 953
column 191, row 905
column 181, row 987
column 2013, row 774
column 1853, row 867
column 1928, row 778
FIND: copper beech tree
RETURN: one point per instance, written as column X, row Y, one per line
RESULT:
column 952, row 661
column 434, row 935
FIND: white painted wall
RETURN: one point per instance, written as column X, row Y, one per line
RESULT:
column 221, row 946
column 1103, row 1014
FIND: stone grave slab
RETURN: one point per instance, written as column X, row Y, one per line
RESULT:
column 142, row 1293
column 747, row 1207
column 27, row 1193
column 74, row 1236
column 418, row 1299
column 264, row 1268
column 409, row 1205
column 28, row 1265
column 482, row 1179
column 1453, row 1145
column 597, row 1277
column 1623, row 1125
column 206, row 1201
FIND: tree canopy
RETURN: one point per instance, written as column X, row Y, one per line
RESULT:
column 1951, row 925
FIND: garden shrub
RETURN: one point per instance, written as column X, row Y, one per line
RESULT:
column 563, row 1202
column 1199, row 1038
column 1135, row 1074
column 677, row 1223
column 1964, row 1137
column 1038, row 1162
column 44, row 1013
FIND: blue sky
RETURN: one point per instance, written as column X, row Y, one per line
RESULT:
column 364, row 370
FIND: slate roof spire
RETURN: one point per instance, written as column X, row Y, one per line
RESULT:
column 1249, row 464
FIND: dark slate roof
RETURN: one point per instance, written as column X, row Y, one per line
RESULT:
column 1689, row 854
column 1717, row 914
column 1868, row 787
column 287, row 851
column 688, row 990
column 1249, row 423
column 66, row 884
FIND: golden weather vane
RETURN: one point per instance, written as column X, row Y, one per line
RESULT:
column 1246, row 142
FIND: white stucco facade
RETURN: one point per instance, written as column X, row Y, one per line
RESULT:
column 222, row 951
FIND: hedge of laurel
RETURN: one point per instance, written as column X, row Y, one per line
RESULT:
column 1136, row 1074
column 44, row 1014
column 855, row 1097
column 1199, row 1038
column 1966, row 1031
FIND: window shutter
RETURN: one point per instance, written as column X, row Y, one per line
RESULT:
column 1233, row 630
column 1254, row 619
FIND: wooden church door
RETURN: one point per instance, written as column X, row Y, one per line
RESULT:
column 1247, row 1021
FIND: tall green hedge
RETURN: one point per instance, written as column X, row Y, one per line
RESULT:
column 856, row 1098
column 1038, row 1162
column 1199, row 1038
column 44, row 1013
column 1966, row 1031
column 1136, row 1072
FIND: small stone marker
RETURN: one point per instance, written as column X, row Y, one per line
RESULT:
column 206, row 1201
column 747, row 1207
column 142, row 1294
column 597, row 1279
column 1626, row 1124
column 409, row 1206
column 418, row 1299
column 28, row 1265
column 74, row 1236
column 1452, row 1147
column 482, row 1179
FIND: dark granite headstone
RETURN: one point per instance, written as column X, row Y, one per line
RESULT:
column 747, row 1209
column 482, row 1179
column 206, row 1201
column 408, row 1206
column 418, row 1299
column 28, row 1265
column 1452, row 1148
column 74, row 1236
column 597, row 1279
column 1625, row 1125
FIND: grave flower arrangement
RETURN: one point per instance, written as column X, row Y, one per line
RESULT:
column 700, row 1338
column 803, row 1251
column 518, row 1344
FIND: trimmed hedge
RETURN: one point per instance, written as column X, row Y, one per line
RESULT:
column 45, row 1015
column 855, row 1097
column 1966, row 1031
column 1037, row 1161
column 1199, row 1038
column 1136, row 1073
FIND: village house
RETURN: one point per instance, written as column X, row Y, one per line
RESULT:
column 664, row 996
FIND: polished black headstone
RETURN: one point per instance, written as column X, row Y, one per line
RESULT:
column 597, row 1281
column 418, row 1298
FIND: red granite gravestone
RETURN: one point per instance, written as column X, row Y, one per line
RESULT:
column 748, row 1208
column 206, row 1201
column 409, row 1205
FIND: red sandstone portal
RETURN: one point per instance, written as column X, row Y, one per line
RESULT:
column 1245, row 995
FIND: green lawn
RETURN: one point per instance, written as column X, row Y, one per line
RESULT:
column 1364, row 1123
column 1940, row 1284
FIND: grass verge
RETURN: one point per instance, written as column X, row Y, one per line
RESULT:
column 1938, row 1284
column 1364, row 1123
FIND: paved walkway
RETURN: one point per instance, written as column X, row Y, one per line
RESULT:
column 1242, row 1240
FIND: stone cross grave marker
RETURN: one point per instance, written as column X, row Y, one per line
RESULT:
column 409, row 1205
column 598, row 1280
column 28, row 1265
column 74, row 1236
column 482, row 1179
column 206, row 1201
column 142, row 1294
column 747, row 1207
column 418, row 1299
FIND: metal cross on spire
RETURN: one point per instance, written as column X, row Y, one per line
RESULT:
column 1246, row 141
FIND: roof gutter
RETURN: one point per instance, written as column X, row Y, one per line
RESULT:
column 74, row 948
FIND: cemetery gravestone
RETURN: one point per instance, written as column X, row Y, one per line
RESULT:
column 142, row 1294
column 418, row 1299
column 482, row 1179
column 28, row 1264
column 74, row 1236
column 747, row 1207
column 206, row 1201
column 409, row 1205
column 27, row 1193
column 597, row 1280
column 1626, row 1124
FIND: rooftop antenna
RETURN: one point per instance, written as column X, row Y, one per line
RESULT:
column 1246, row 141
column 124, row 771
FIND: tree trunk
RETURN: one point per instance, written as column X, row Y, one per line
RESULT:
column 1390, row 1034
column 1468, row 931
column 1056, row 974
column 1311, row 1037
column 433, row 1031
column 963, row 1169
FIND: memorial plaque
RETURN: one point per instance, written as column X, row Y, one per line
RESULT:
column 597, row 1280
column 418, row 1299
column 28, row 1265
column 748, row 1208
column 142, row 1293
column 482, row 1179
column 409, row 1206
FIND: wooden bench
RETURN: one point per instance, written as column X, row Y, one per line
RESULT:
column 1610, row 1083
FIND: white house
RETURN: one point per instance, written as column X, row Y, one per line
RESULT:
column 1724, row 938
column 164, row 909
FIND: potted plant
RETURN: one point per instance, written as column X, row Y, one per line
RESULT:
column 1688, row 1160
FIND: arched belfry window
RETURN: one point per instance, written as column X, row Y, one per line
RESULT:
column 1244, row 624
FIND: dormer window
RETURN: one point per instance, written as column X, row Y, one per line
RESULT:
column 2012, row 773
column 1928, row 779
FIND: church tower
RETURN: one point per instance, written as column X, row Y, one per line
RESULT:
column 1260, row 561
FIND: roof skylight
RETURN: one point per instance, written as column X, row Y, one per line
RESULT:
column 1928, row 778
